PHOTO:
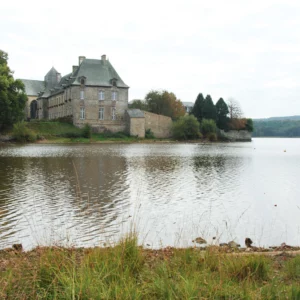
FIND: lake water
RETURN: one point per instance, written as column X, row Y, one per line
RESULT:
column 86, row 195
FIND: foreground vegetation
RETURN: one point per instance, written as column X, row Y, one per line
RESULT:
column 127, row 271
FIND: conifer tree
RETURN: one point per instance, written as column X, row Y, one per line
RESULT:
column 197, row 110
column 222, row 114
column 209, row 110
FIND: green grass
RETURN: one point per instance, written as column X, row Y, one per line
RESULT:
column 59, row 132
column 53, row 129
column 127, row 271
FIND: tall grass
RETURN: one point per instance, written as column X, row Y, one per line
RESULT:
column 127, row 271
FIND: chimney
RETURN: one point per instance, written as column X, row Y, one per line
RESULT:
column 58, row 77
column 75, row 68
column 103, row 57
column 81, row 59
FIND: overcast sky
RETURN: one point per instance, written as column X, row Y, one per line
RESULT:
column 247, row 50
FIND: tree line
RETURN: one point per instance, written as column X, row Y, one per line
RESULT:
column 204, row 119
column 12, row 95
column 227, row 116
column 277, row 128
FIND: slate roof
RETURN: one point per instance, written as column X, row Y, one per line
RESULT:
column 33, row 87
column 98, row 72
column 135, row 113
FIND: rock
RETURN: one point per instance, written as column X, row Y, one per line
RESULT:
column 248, row 242
column 223, row 245
column 199, row 240
column 6, row 138
column 233, row 244
column 17, row 247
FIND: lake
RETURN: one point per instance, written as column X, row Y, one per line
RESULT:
column 91, row 195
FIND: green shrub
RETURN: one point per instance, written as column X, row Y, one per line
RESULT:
column 186, row 128
column 212, row 136
column 149, row 134
column 23, row 134
column 87, row 131
column 208, row 126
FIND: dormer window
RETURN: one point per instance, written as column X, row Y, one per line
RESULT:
column 82, row 80
column 114, row 81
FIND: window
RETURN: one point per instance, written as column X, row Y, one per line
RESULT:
column 101, row 95
column 81, row 95
column 101, row 113
column 113, row 95
column 82, row 81
column 113, row 113
column 82, row 113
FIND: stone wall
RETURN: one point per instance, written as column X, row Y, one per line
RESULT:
column 92, row 105
column 237, row 135
column 137, row 127
column 159, row 125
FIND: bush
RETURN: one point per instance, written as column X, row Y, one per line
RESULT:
column 149, row 134
column 23, row 134
column 186, row 128
column 212, row 136
column 87, row 131
column 208, row 126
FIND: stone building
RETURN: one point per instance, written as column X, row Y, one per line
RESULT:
column 92, row 92
column 33, row 88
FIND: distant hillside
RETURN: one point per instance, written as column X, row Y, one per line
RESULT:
column 292, row 118
column 277, row 127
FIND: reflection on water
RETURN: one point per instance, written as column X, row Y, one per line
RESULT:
column 85, row 195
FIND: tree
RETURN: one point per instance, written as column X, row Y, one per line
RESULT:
column 208, row 126
column 209, row 109
column 164, row 103
column 186, row 128
column 197, row 110
column 235, row 111
column 12, row 95
column 222, row 114
column 249, row 125
column 137, row 103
